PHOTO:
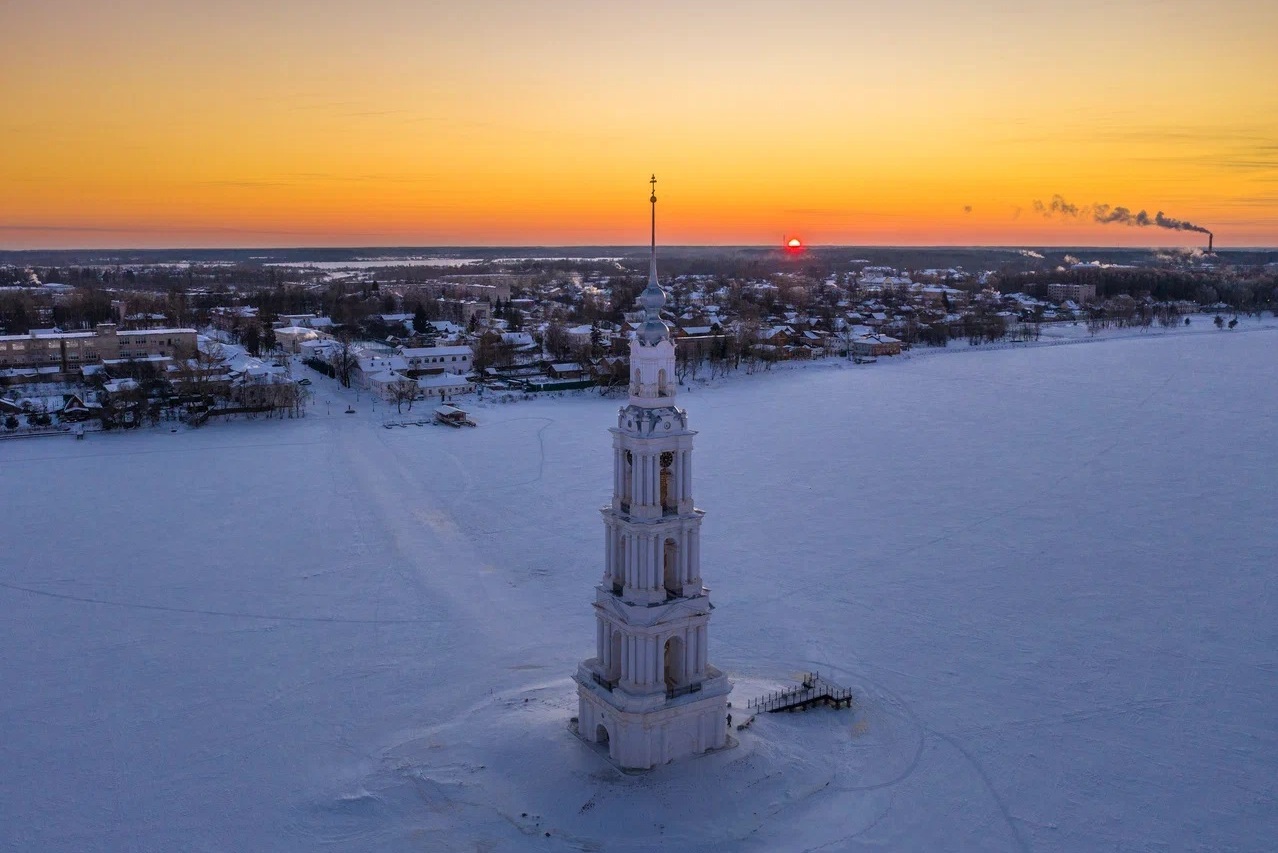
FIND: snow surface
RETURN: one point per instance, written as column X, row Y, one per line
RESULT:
column 1047, row 573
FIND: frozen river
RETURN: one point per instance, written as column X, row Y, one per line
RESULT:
column 1047, row 573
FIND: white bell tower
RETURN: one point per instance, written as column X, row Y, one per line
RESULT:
column 649, row 692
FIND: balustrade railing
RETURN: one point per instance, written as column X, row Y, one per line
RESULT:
column 673, row 692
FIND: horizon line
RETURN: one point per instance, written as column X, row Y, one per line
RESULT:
column 628, row 246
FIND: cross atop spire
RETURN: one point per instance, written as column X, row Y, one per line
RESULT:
column 653, row 297
column 653, row 199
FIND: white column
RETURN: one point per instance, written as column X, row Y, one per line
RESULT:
column 658, row 576
column 608, row 533
column 695, row 536
column 656, row 479
column 637, row 474
column 645, row 550
column 701, row 648
column 657, row 676
column 616, row 472
column 647, row 480
column 676, row 477
column 635, row 478
column 647, row 486
column 684, row 575
column 690, row 652
column 658, row 561
column 632, row 560
column 641, row 561
column 654, row 487
column 654, row 562
column 687, row 473
column 642, row 471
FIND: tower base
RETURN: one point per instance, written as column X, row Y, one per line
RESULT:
column 640, row 735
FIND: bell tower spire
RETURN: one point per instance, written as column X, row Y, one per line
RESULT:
column 653, row 330
column 650, row 693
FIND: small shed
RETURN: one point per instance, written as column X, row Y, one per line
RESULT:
column 452, row 416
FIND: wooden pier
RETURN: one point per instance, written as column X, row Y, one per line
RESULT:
column 812, row 691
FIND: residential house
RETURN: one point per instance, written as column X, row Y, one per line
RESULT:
column 422, row 361
column 445, row 385
column 875, row 345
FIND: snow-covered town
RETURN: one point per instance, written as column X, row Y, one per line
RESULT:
column 125, row 346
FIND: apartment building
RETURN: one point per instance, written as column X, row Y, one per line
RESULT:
column 1080, row 293
column 71, row 350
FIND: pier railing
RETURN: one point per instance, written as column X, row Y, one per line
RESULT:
column 813, row 690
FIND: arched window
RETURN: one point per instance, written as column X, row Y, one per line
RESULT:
column 674, row 663
column 670, row 568
column 662, row 390
column 668, row 505
column 614, row 657
column 627, row 480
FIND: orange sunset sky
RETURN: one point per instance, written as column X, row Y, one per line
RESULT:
column 413, row 122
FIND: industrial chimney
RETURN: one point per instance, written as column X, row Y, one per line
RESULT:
column 1210, row 237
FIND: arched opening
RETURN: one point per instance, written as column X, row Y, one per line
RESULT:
column 662, row 391
column 670, row 568
column 601, row 734
column 674, row 663
column 614, row 657
column 667, row 483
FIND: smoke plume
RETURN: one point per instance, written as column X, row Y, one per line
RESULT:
column 1057, row 205
column 1106, row 215
column 1177, row 224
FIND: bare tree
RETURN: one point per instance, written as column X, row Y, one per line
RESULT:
column 343, row 361
column 201, row 376
column 556, row 340
column 404, row 391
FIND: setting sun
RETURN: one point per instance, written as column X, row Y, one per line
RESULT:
column 795, row 243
